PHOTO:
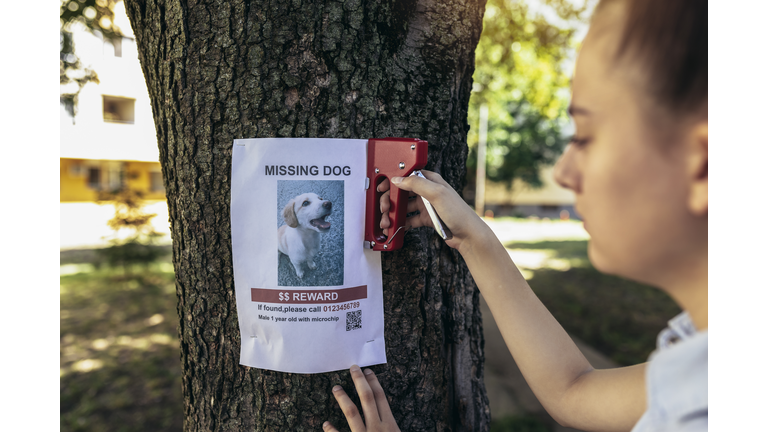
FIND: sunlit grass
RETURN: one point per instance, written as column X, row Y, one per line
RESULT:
column 119, row 361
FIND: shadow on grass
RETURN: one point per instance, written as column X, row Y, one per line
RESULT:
column 120, row 368
column 618, row 317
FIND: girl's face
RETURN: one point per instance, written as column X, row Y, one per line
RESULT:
column 632, row 193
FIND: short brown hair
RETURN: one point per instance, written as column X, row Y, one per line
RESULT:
column 669, row 39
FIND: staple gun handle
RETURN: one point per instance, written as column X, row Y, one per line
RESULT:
column 387, row 158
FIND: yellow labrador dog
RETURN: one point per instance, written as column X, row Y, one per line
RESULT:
column 300, row 238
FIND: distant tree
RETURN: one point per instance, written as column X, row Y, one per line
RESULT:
column 138, row 247
column 519, row 75
column 97, row 17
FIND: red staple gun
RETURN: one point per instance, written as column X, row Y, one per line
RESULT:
column 387, row 158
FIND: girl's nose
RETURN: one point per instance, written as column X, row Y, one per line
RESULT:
column 566, row 174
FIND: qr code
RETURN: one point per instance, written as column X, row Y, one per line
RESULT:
column 354, row 320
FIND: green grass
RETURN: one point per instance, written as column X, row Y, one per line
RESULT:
column 618, row 317
column 120, row 368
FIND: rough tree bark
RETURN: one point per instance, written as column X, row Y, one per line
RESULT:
column 224, row 69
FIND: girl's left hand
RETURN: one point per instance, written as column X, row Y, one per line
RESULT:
column 378, row 416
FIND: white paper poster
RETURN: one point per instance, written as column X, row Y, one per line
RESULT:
column 309, row 295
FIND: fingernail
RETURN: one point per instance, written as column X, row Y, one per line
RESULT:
column 396, row 180
column 326, row 424
column 354, row 368
column 337, row 388
column 367, row 371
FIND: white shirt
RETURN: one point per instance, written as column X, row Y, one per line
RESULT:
column 676, row 380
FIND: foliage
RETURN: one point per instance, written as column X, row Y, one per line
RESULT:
column 96, row 16
column 138, row 247
column 519, row 75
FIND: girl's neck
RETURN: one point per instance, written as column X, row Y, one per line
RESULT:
column 690, row 291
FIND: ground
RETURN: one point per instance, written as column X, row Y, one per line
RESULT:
column 120, row 368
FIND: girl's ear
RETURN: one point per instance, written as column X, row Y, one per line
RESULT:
column 290, row 216
column 697, row 169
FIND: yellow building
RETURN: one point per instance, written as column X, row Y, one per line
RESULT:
column 110, row 143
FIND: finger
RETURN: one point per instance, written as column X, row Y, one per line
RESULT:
column 365, row 393
column 421, row 186
column 349, row 409
column 381, row 399
column 383, row 186
column 384, row 205
column 385, row 222
column 384, row 202
column 328, row 427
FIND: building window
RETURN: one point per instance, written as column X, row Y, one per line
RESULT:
column 115, row 178
column 106, row 177
column 118, row 109
column 94, row 178
column 156, row 182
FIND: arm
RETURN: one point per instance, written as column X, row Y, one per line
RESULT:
column 568, row 387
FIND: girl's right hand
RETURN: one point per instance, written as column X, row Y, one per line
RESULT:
column 455, row 213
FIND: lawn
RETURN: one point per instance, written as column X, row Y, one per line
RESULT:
column 120, row 368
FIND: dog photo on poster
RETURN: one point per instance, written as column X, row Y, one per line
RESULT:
column 310, row 232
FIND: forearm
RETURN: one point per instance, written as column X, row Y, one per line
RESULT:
column 554, row 367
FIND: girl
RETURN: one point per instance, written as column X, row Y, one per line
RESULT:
column 638, row 168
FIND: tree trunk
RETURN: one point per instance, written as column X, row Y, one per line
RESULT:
column 219, row 70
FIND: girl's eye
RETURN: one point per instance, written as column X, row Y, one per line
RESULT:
column 305, row 203
column 578, row 142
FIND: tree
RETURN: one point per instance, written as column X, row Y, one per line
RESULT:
column 139, row 247
column 219, row 70
column 519, row 75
